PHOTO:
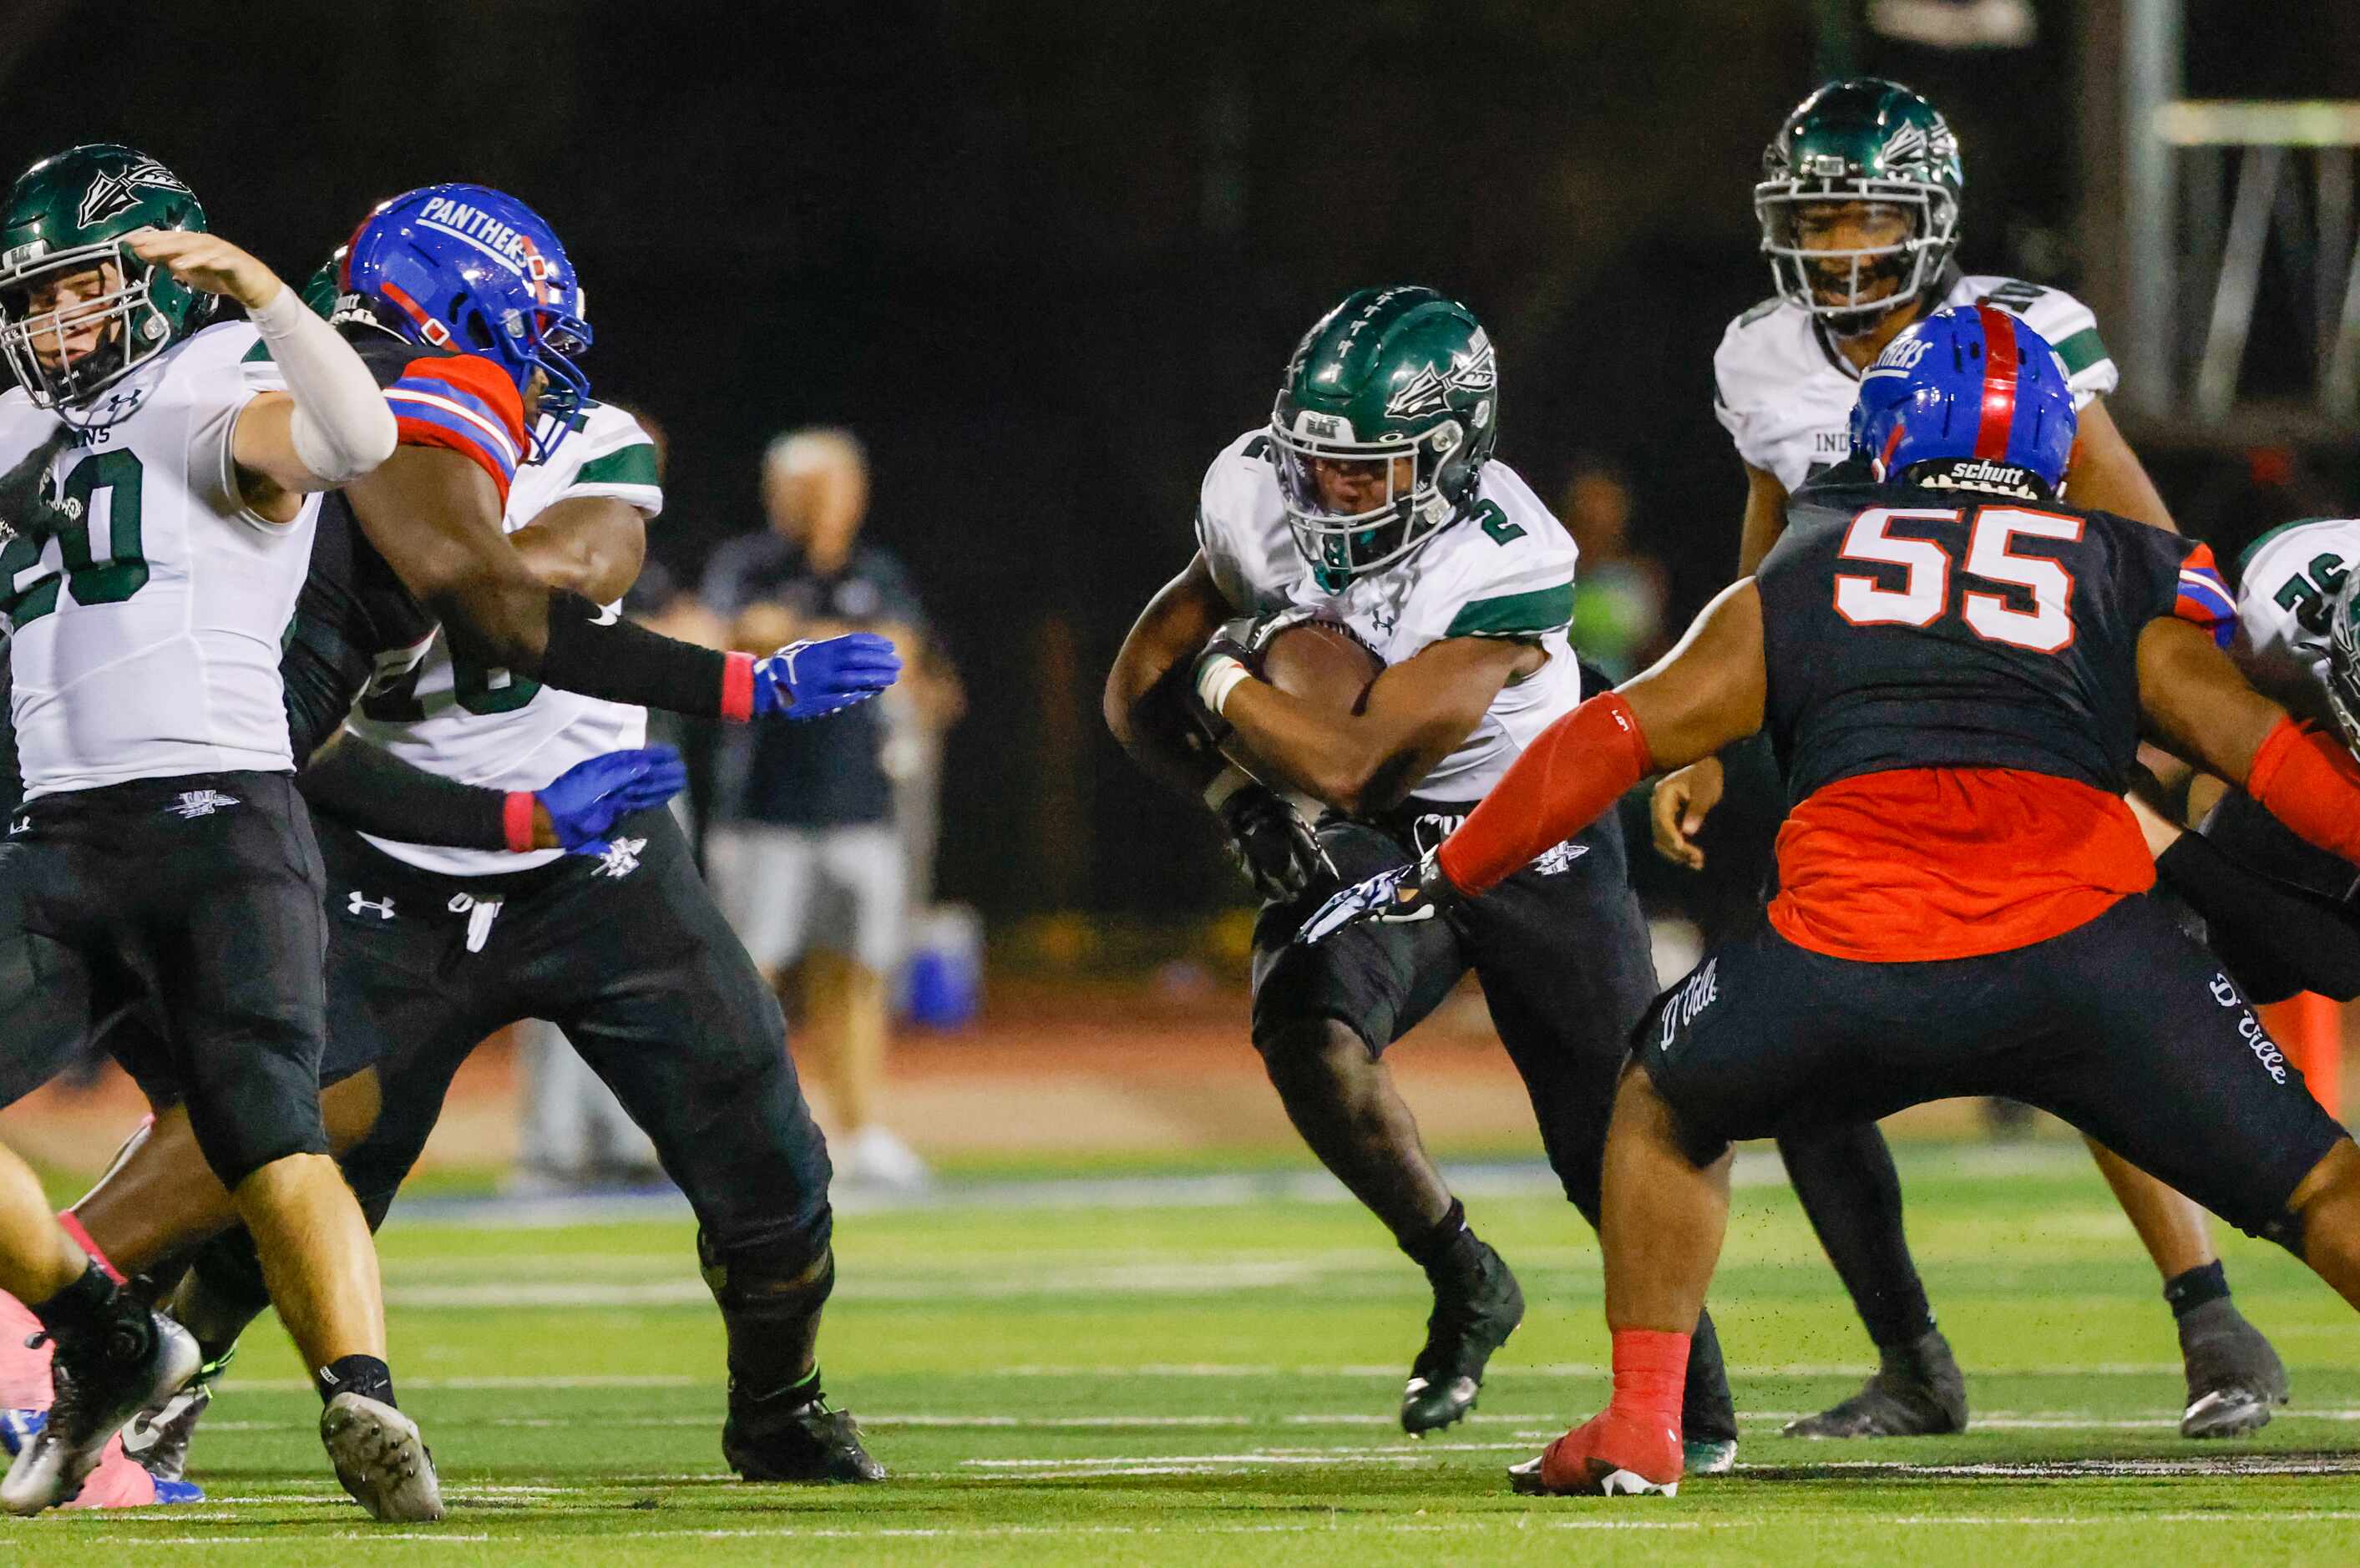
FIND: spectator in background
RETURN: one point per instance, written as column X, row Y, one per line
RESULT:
column 804, row 853
column 1618, row 592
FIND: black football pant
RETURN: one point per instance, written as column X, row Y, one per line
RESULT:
column 185, row 912
column 1562, row 951
column 630, row 957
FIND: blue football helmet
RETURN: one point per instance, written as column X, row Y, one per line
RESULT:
column 472, row 269
column 1971, row 381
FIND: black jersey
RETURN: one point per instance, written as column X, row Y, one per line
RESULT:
column 1914, row 625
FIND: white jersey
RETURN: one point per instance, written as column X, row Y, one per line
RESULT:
column 2287, row 584
column 1505, row 571
column 499, row 730
column 1786, row 396
column 145, row 638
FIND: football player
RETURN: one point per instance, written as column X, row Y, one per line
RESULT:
column 162, row 856
column 1858, row 205
column 433, row 949
column 1372, row 498
column 1955, row 668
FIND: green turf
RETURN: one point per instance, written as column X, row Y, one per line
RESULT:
column 1189, row 1384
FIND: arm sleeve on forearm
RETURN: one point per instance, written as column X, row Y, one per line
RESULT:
column 2309, row 781
column 341, row 427
column 2274, row 939
column 373, row 791
column 601, row 655
column 1572, row 774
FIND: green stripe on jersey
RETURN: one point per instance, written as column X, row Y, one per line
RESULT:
column 258, row 354
column 1516, row 614
column 2246, row 556
column 625, row 465
column 2080, row 351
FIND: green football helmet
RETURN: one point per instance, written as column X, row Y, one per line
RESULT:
column 1389, row 375
column 1866, row 140
column 68, row 214
column 2343, row 660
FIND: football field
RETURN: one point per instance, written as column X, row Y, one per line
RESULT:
column 1193, row 1369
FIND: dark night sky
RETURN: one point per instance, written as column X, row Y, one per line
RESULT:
column 1046, row 257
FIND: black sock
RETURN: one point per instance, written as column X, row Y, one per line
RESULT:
column 2188, row 1291
column 362, row 1374
column 794, row 1396
column 92, row 1317
column 1447, row 1247
column 1853, row 1196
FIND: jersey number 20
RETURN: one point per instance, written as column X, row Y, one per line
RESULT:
column 1924, row 596
column 102, row 489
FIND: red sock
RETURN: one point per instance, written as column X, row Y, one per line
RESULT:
column 1651, row 1368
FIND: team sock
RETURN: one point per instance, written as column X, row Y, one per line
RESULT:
column 1445, row 1251
column 1651, row 1368
column 1853, row 1196
column 363, row 1374
column 2193, row 1288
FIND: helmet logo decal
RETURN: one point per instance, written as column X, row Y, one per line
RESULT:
column 479, row 229
column 1429, row 391
column 1907, row 145
column 112, row 193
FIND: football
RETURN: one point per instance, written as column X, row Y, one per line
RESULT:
column 1322, row 663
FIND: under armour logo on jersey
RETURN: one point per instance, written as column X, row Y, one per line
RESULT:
column 356, row 905
column 194, row 803
column 22, row 824
column 622, row 858
column 1558, row 859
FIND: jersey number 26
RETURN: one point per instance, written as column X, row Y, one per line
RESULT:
column 1924, row 596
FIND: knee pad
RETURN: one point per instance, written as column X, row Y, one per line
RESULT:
column 258, row 1109
column 789, row 1273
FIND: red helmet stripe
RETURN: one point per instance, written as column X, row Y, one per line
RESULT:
column 1999, row 383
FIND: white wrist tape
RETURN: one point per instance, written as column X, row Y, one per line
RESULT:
column 341, row 427
column 1218, row 678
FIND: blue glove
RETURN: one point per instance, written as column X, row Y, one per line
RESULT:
column 813, row 680
column 587, row 800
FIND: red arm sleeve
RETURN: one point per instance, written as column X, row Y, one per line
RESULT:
column 2309, row 781
column 1570, row 776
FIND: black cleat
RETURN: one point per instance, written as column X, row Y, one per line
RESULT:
column 1917, row 1392
column 1471, row 1319
column 2234, row 1379
column 805, row 1441
column 98, row 1389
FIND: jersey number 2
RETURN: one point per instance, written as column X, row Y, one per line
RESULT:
column 102, row 490
column 1924, row 596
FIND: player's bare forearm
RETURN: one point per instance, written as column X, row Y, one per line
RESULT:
column 1711, row 689
column 1417, row 714
column 2196, row 703
column 1144, row 702
column 591, row 545
column 1764, row 519
column 2108, row 475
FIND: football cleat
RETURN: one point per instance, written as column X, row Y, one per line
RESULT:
column 380, row 1459
column 1709, row 1455
column 2234, row 1379
column 1610, row 1455
column 806, row 1443
column 1917, row 1391
column 96, row 1393
column 1470, row 1320
column 158, row 1436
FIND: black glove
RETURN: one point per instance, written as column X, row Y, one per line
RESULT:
column 1271, row 843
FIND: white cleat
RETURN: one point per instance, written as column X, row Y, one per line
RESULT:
column 380, row 1458
column 93, row 1403
column 874, row 1158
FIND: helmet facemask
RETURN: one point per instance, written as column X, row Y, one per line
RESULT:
column 1912, row 264
column 1341, row 546
column 133, row 329
column 2344, row 662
